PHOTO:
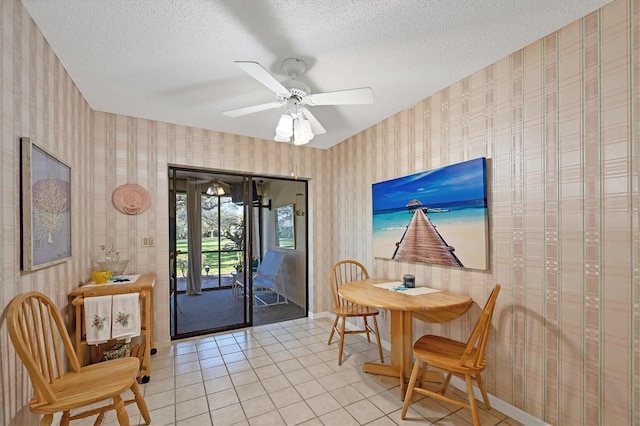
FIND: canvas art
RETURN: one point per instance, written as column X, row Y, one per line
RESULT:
column 45, row 208
column 437, row 216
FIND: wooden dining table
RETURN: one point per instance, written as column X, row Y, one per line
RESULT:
column 440, row 306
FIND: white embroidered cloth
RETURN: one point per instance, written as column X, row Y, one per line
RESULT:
column 125, row 316
column 398, row 287
column 97, row 319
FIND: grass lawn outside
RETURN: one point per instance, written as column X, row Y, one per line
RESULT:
column 229, row 256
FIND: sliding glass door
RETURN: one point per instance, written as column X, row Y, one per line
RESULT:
column 207, row 249
column 220, row 227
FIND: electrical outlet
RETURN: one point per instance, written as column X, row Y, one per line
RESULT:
column 147, row 241
column 383, row 313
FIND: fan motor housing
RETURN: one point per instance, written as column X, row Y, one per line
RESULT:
column 297, row 88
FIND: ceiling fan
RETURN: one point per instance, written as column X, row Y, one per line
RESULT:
column 216, row 187
column 297, row 121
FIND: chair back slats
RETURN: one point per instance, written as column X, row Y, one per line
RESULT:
column 343, row 272
column 44, row 337
column 479, row 336
column 36, row 330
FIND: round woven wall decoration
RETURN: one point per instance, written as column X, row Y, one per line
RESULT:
column 131, row 199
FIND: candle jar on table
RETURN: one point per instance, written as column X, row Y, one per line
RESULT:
column 409, row 281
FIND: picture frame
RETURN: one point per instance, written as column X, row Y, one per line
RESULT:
column 438, row 216
column 45, row 204
column 285, row 227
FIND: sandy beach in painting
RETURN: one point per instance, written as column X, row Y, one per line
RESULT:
column 468, row 237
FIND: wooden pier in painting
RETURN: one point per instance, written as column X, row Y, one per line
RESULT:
column 421, row 242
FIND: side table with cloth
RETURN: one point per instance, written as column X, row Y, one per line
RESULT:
column 142, row 284
column 433, row 305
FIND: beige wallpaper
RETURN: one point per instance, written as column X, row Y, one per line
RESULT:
column 558, row 121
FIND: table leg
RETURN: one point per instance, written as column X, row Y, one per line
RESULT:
column 401, row 362
column 407, row 350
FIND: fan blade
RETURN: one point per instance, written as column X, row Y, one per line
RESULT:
column 360, row 96
column 251, row 109
column 316, row 127
column 258, row 72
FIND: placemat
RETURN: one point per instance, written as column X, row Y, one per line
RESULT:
column 398, row 287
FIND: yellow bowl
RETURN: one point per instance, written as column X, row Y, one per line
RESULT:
column 101, row 277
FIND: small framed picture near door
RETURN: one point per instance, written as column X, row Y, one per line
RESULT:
column 45, row 204
column 285, row 227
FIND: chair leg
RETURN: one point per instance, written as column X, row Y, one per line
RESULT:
column 140, row 402
column 472, row 401
column 47, row 419
column 409, row 394
column 333, row 329
column 121, row 411
column 367, row 329
column 445, row 385
column 344, row 320
column 487, row 405
column 377, row 333
column 421, row 373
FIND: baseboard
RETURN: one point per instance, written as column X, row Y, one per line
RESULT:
column 498, row 404
column 319, row 315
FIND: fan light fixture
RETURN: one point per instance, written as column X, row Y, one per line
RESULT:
column 215, row 189
column 293, row 125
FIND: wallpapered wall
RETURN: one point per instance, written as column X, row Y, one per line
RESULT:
column 38, row 100
column 559, row 121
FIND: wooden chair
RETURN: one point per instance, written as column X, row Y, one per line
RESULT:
column 41, row 340
column 341, row 273
column 456, row 358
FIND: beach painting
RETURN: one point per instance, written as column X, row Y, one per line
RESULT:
column 437, row 216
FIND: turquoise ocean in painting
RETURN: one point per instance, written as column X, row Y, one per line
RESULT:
column 390, row 221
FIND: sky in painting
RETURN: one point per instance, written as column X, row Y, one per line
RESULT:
column 450, row 184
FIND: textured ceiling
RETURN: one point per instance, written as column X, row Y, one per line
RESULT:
column 172, row 60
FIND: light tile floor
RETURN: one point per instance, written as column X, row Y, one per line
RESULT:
column 282, row 374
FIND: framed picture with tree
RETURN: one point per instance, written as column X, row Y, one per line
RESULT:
column 45, row 207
